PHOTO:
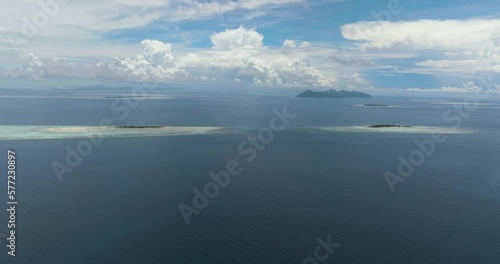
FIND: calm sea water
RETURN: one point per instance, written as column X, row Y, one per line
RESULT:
column 121, row 204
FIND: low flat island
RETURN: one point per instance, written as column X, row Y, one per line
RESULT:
column 386, row 126
column 389, row 128
column 375, row 105
column 139, row 126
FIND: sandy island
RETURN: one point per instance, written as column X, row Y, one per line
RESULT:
column 397, row 129
column 54, row 132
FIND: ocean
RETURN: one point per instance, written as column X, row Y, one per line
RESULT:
column 309, row 183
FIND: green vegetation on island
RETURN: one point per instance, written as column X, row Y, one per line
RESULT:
column 139, row 126
column 386, row 125
column 375, row 105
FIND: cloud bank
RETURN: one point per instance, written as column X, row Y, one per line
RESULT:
column 457, row 46
column 469, row 87
column 237, row 56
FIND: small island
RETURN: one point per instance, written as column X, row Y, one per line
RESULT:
column 375, row 105
column 139, row 126
column 127, row 96
column 333, row 94
column 386, row 126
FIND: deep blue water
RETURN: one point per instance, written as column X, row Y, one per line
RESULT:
column 120, row 205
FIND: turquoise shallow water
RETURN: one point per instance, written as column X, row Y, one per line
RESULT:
column 60, row 132
column 120, row 204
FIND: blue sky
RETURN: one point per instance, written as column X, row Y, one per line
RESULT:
column 380, row 45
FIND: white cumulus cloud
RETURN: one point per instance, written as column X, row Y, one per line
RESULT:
column 237, row 38
column 289, row 44
column 157, row 63
column 238, row 56
column 305, row 44
column 33, row 69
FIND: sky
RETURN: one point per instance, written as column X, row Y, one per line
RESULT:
column 410, row 46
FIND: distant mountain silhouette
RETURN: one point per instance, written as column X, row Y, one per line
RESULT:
column 333, row 94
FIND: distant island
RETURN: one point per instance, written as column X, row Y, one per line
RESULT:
column 333, row 94
column 386, row 125
column 375, row 105
column 127, row 96
column 139, row 126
